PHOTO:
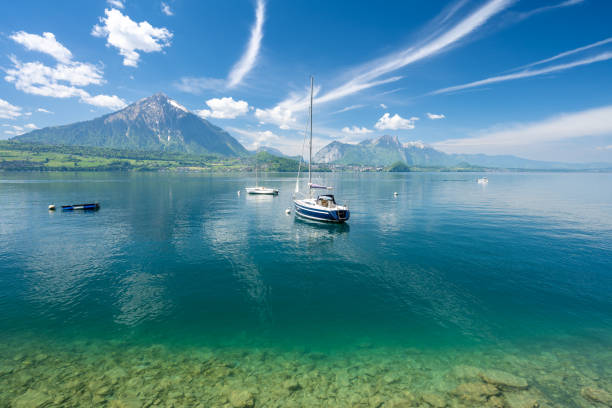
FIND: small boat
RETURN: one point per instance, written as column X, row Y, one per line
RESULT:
column 324, row 207
column 262, row 190
column 483, row 180
column 91, row 207
column 258, row 189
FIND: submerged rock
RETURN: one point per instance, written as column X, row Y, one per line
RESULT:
column 503, row 379
column 32, row 399
column 465, row 372
column 242, row 399
column 291, row 385
column 434, row 400
column 521, row 400
column 597, row 395
column 475, row 392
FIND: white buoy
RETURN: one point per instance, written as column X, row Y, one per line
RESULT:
column 238, row 192
column 52, row 207
column 288, row 211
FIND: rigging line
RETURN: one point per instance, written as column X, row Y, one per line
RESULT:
column 302, row 155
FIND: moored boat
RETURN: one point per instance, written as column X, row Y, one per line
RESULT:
column 324, row 207
column 91, row 206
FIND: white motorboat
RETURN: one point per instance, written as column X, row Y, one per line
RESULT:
column 483, row 180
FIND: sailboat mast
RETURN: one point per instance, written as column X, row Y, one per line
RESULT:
column 310, row 153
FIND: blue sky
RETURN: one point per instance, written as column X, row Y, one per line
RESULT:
column 530, row 78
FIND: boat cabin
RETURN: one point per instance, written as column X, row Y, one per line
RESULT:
column 326, row 200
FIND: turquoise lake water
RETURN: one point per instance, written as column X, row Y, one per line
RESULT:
column 179, row 291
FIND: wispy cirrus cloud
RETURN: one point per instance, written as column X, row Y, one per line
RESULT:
column 347, row 108
column 568, row 53
column 371, row 74
column 116, row 3
column 434, row 116
column 526, row 73
column 367, row 75
column 248, row 60
column 562, row 4
column 165, row 8
column 246, row 63
column 591, row 122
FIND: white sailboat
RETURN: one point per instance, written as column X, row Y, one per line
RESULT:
column 324, row 206
column 260, row 190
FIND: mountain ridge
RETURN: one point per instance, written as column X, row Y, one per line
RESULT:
column 386, row 150
column 156, row 123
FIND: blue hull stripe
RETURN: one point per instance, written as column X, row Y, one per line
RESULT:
column 331, row 215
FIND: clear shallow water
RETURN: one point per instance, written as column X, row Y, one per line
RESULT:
column 178, row 278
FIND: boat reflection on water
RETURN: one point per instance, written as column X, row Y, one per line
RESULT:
column 316, row 230
column 259, row 198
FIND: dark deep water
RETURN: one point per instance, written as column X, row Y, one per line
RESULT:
column 515, row 275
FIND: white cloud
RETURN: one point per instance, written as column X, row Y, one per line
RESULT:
column 9, row 111
column 249, row 58
column 395, row 122
column 280, row 116
column 224, row 108
column 116, row 3
column 112, row 102
column 382, row 105
column 591, row 122
column 45, row 43
column 254, row 139
column 65, row 80
column 356, row 130
column 129, row 36
column 527, row 73
column 434, row 116
column 166, row 9
column 17, row 130
column 608, row 147
column 62, row 81
column 43, row 110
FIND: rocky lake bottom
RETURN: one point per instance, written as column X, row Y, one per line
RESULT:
column 122, row 374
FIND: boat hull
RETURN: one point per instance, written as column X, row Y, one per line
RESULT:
column 323, row 215
column 261, row 191
column 85, row 207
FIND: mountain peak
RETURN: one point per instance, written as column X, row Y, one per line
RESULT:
column 160, row 99
column 385, row 141
column 152, row 123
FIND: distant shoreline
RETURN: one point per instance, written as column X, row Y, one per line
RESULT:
column 17, row 157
